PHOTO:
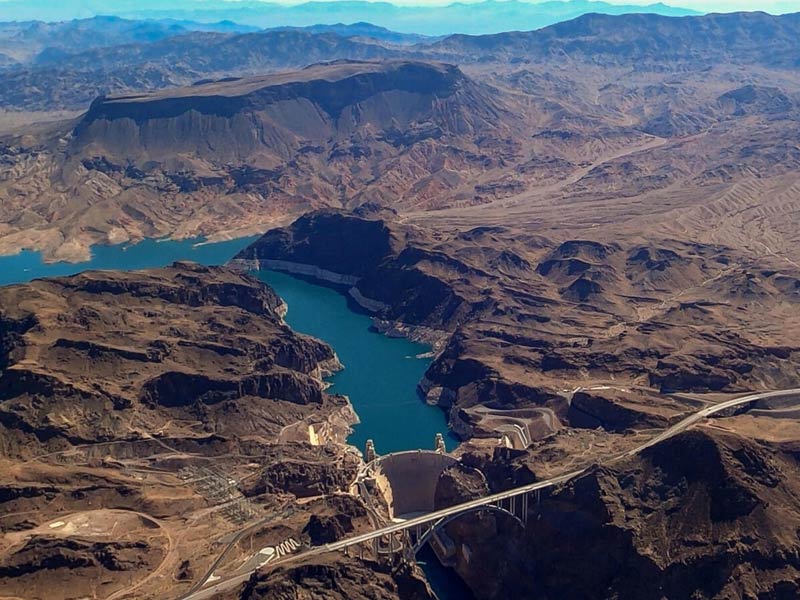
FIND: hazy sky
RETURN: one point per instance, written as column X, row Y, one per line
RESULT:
column 704, row 5
column 728, row 5
column 774, row 6
column 701, row 5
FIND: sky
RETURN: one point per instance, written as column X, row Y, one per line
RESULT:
column 700, row 5
column 731, row 5
column 774, row 6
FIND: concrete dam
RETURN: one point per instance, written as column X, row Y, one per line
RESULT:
column 408, row 480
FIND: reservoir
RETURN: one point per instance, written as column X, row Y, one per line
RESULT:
column 147, row 254
column 380, row 375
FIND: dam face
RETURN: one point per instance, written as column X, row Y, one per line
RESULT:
column 408, row 480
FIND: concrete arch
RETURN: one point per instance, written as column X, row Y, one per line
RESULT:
column 408, row 480
column 444, row 521
column 401, row 455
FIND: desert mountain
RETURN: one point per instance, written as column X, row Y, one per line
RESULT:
column 407, row 132
column 46, row 43
column 644, row 40
column 476, row 18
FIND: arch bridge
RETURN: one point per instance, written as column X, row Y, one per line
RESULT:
column 519, row 498
column 404, row 537
column 407, row 482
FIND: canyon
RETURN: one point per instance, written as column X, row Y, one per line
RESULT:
column 591, row 226
column 134, row 415
column 532, row 128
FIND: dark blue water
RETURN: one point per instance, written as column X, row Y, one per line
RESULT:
column 147, row 254
column 444, row 581
column 380, row 375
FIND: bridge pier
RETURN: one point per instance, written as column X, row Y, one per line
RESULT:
column 369, row 452
column 525, row 508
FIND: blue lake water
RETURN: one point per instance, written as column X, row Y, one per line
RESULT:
column 28, row 265
column 380, row 374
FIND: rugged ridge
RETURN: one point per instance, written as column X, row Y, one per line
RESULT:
column 148, row 416
column 644, row 40
column 516, row 331
column 136, row 375
column 706, row 514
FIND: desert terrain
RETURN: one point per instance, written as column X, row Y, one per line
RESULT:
column 594, row 225
column 146, row 415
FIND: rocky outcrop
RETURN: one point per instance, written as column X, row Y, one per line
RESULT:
column 391, row 276
column 512, row 337
column 459, row 483
column 189, row 340
column 729, row 507
column 614, row 411
column 326, row 529
column 50, row 554
column 323, row 243
column 339, row 579
column 303, row 470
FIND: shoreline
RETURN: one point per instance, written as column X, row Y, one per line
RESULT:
column 346, row 284
column 82, row 253
column 436, row 340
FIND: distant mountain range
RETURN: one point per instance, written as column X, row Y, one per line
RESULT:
column 72, row 66
column 43, row 43
column 490, row 16
column 362, row 30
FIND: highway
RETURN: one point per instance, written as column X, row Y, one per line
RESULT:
column 430, row 518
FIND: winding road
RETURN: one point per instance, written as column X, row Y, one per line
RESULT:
column 430, row 518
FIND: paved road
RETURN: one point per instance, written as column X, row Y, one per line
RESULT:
column 430, row 518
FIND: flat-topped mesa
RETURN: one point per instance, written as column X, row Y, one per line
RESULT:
column 276, row 115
